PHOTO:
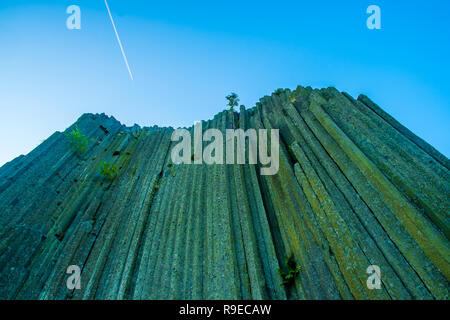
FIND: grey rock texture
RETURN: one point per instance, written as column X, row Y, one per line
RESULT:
column 355, row 188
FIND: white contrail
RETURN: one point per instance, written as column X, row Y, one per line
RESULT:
column 120, row 43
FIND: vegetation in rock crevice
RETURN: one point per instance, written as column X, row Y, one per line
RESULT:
column 78, row 141
column 293, row 270
column 108, row 170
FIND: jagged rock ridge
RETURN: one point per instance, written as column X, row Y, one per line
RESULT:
column 355, row 188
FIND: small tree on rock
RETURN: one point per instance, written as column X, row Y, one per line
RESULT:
column 233, row 101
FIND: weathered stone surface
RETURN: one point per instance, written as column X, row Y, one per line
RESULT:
column 355, row 188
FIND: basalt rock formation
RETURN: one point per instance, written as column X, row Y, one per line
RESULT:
column 355, row 188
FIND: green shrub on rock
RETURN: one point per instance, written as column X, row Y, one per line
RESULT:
column 77, row 140
column 108, row 170
column 293, row 271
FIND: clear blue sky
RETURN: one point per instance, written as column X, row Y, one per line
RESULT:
column 187, row 55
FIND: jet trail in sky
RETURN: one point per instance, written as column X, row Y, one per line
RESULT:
column 120, row 43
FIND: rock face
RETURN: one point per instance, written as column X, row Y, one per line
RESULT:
column 355, row 188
